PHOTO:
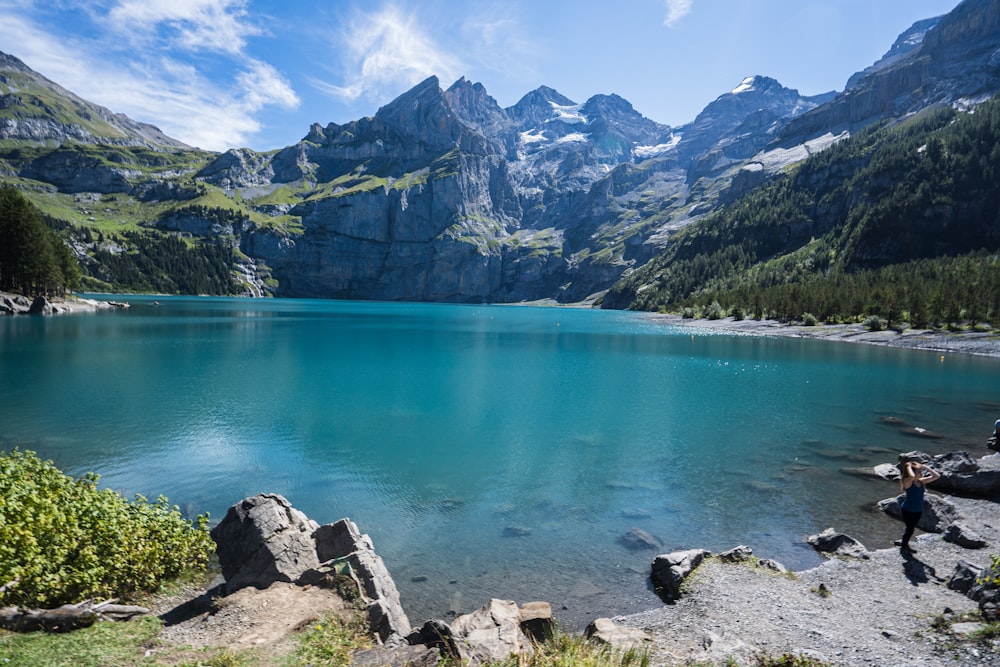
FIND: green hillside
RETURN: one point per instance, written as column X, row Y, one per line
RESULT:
column 899, row 222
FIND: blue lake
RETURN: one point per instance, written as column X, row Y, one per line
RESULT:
column 489, row 451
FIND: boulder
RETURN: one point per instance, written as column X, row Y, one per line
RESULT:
column 986, row 591
column 491, row 633
column 263, row 539
column 399, row 656
column 343, row 541
column 537, row 621
column 670, row 570
column 41, row 306
column 887, row 471
column 637, row 538
column 435, row 634
column 774, row 565
column 623, row 638
column 939, row 512
column 838, row 544
column 960, row 534
column 964, row 577
column 740, row 554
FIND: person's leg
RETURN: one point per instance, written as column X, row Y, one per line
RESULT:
column 910, row 519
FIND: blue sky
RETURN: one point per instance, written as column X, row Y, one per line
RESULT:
column 256, row 73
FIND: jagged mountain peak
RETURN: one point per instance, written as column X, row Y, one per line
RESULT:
column 544, row 104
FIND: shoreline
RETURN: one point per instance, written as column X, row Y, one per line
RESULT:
column 978, row 343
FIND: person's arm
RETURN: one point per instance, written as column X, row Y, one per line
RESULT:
column 928, row 475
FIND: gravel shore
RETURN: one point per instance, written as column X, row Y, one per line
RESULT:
column 964, row 342
column 891, row 609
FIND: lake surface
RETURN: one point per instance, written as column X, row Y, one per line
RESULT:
column 489, row 451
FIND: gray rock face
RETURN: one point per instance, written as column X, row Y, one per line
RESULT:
column 839, row 544
column 343, row 540
column 670, row 570
column 490, row 633
column 622, row 638
column 263, row 539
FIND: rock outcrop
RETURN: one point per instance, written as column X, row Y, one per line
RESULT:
column 838, row 544
column 263, row 539
column 670, row 570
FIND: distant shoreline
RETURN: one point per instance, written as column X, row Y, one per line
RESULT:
column 985, row 344
column 981, row 343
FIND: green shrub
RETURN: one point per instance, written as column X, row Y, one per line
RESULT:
column 809, row 320
column 65, row 540
column 715, row 311
column 688, row 313
column 875, row 323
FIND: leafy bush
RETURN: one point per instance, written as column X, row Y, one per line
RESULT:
column 875, row 323
column 809, row 320
column 715, row 311
column 64, row 540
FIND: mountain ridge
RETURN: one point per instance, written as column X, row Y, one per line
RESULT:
column 444, row 195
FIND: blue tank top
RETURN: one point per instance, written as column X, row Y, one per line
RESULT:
column 914, row 501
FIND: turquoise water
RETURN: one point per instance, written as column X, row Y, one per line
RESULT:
column 489, row 451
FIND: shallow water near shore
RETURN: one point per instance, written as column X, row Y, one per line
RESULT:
column 489, row 451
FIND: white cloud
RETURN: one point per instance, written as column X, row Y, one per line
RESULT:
column 676, row 10
column 157, row 85
column 212, row 25
column 386, row 52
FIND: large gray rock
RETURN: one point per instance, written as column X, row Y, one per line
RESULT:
column 263, row 539
column 670, row 570
column 491, row 633
column 605, row 631
column 939, row 512
column 41, row 306
column 960, row 534
column 838, row 544
column 964, row 577
column 343, row 541
column 986, row 591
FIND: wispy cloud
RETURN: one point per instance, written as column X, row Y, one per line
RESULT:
column 385, row 52
column 213, row 25
column 676, row 10
column 157, row 84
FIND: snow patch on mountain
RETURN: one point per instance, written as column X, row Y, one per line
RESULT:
column 645, row 152
column 569, row 114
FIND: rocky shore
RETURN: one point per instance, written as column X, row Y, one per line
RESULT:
column 16, row 304
column 866, row 605
column 985, row 343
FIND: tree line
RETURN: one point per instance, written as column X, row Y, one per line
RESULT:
column 33, row 259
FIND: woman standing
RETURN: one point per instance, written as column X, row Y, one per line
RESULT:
column 913, row 478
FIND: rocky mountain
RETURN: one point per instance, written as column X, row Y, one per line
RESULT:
column 443, row 195
column 953, row 59
column 34, row 109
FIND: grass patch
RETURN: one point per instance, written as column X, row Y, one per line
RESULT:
column 119, row 644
